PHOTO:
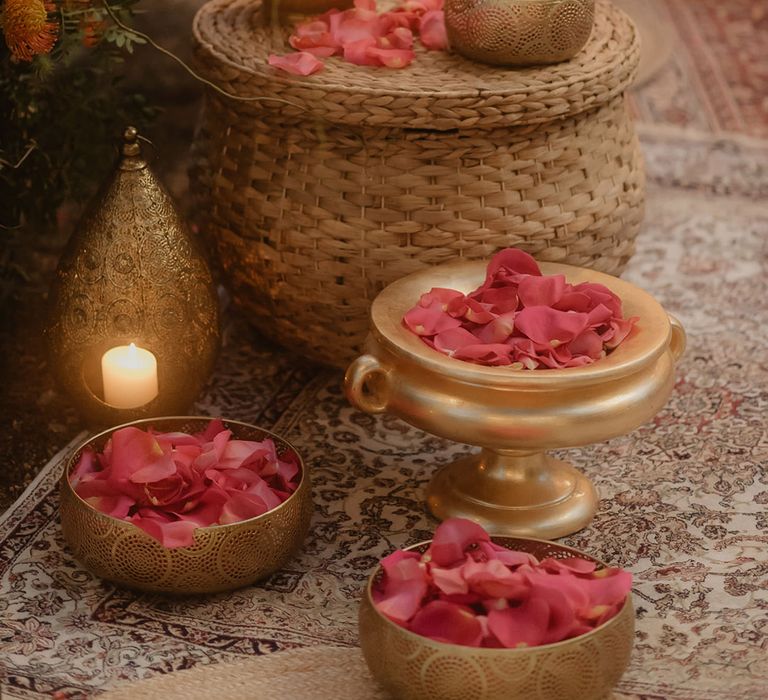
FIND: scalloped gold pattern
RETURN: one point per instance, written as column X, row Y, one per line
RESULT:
column 411, row 667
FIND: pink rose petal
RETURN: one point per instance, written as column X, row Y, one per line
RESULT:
column 405, row 585
column 498, row 330
column 115, row 506
column 573, row 565
column 454, row 339
column 450, row 580
column 213, row 428
column 452, row 539
column 441, row 295
column 511, row 264
column 391, row 58
column 301, row 63
column 587, row 343
column 599, row 294
column 430, row 320
column 156, row 470
column 486, row 354
column 85, row 466
column 170, row 483
column 449, row 623
column 621, row 329
column 432, row 30
column 541, row 291
column 501, row 300
column 242, row 506
column 521, row 626
column 170, row 534
column 493, row 579
column 512, row 558
column 398, row 38
column 608, row 586
column 545, row 325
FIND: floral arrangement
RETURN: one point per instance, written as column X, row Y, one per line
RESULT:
column 61, row 103
column 522, row 319
column 364, row 36
column 467, row 590
column 169, row 484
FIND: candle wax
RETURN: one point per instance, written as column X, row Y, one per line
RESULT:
column 130, row 376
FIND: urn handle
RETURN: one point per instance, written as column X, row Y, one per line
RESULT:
column 678, row 342
column 366, row 384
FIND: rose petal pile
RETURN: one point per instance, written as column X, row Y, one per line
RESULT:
column 363, row 36
column 169, row 484
column 521, row 318
column 467, row 590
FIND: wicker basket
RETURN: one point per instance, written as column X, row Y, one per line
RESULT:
column 370, row 174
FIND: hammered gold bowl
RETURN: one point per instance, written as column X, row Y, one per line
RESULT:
column 518, row 32
column 512, row 487
column 412, row 667
column 223, row 557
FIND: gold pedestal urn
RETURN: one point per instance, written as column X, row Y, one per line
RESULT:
column 512, row 487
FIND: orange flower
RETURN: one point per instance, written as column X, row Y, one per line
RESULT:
column 27, row 29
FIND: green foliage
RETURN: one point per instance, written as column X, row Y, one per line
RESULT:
column 62, row 115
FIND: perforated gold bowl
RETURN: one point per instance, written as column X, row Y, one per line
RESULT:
column 223, row 557
column 412, row 667
column 519, row 32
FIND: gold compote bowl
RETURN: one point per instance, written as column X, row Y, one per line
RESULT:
column 512, row 487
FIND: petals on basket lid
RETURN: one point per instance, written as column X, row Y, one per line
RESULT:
column 432, row 30
column 391, row 58
column 300, row 63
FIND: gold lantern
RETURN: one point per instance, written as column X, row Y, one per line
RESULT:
column 134, row 326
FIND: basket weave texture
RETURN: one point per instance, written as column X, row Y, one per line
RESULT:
column 371, row 174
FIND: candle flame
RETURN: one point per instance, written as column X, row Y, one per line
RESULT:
column 133, row 356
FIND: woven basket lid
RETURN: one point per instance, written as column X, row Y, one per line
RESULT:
column 439, row 90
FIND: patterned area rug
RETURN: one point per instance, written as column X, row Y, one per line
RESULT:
column 683, row 497
column 716, row 76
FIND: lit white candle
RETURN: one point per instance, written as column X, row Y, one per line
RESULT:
column 130, row 376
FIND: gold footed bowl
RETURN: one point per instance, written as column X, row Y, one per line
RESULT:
column 412, row 667
column 224, row 557
column 512, row 487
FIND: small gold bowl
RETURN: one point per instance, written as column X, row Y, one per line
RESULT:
column 412, row 667
column 518, row 32
column 223, row 557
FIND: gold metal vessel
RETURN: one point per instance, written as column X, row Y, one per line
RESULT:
column 223, row 557
column 412, row 667
column 518, row 32
column 133, row 273
column 512, row 487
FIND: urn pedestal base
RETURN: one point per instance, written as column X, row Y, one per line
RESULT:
column 514, row 493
